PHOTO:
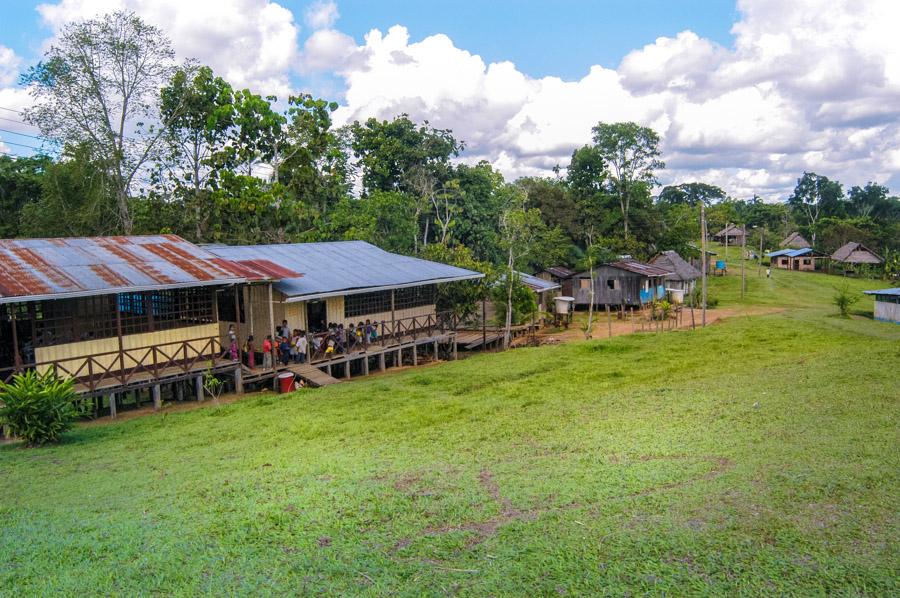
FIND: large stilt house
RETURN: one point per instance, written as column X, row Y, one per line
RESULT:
column 110, row 311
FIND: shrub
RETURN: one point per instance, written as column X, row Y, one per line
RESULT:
column 38, row 408
column 697, row 299
column 662, row 310
column 844, row 298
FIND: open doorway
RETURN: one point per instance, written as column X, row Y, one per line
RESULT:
column 316, row 316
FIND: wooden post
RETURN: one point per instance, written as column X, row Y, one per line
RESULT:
column 759, row 259
column 238, row 380
column 157, row 397
column 393, row 315
column 198, row 387
column 347, row 369
column 119, row 336
column 632, row 320
column 484, row 324
column 608, row 322
column 112, row 406
column 179, row 391
column 272, row 320
column 703, row 262
column 17, row 359
column 743, row 259
column 328, row 368
column 365, row 361
column 398, row 361
column 237, row 319
column 455, row 350
column 436, row 350
column 381, row 361
column 415, row 352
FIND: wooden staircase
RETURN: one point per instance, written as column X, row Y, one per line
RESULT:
column 313, row 375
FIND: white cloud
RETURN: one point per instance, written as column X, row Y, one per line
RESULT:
column 807, row 85
column 10, row 66
column 321, row 15
column 251, row 43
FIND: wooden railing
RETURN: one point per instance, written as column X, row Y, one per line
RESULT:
column 387, row 333
column 127, row 365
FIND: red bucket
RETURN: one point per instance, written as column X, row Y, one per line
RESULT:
column 286, row 382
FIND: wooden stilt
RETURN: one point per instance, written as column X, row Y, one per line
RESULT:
column 415, row 352
column 381, row 362
column 632, row 320
column 455, row 350
column 179, row 391
column 328, row 369
column 112, row 406
column 238, row 380
column 608, row 321
column 198, row 387
column 347, row 369
column 436, row 351
column 157, row 397
column 365, row 361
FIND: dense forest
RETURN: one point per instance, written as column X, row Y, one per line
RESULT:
column 145, row 145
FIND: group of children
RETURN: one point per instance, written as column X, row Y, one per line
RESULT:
column 338, row 339
column 288, row 346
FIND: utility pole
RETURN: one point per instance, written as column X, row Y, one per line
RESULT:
column 762, row 232
column 703, row 258
column 743, row 259
column 727, row 228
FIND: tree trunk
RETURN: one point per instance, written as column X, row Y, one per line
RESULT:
column 590, row 322
column 509, row 288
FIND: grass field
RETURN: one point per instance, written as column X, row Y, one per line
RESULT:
column 757, row 456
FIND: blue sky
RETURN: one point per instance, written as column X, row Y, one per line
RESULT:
column 745, row 94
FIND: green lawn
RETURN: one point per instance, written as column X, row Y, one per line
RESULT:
column 757, row 456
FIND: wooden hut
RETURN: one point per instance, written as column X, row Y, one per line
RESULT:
column 560, row 275
column 854, row 255
column 682, row 276
column 624, row 283
column 731, row 235
column 794, row 241
column 887, row 304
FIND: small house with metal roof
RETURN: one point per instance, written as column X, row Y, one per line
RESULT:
column 806, row 259
column 560, row 275
column 730, row 235
column 887, row 304
column 624, row 283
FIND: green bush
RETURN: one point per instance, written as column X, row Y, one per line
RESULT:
column 38, row 408
column 696, row 298
column 844, row 299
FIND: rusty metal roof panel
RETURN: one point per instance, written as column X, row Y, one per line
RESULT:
column 37, row 269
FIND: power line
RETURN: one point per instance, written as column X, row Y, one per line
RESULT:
column 7, row 142
column 11, row 110
column 24, row 134
column 18, row 122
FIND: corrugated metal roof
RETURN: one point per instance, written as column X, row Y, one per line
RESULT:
column 258, row 270
column 538, row 285
column 343, row 268
column 895, row 292
column 561, row 271
column 792, row 252
column 37, row 269
column 639, row 268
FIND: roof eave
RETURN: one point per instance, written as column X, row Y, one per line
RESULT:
column 118, row 290
column 360, row 290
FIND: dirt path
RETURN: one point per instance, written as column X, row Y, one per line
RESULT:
column 601, row 328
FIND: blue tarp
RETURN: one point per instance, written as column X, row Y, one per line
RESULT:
column 646, row 296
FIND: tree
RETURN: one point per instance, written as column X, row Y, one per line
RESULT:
column 197, row 111
column 519, row 228
column 461, row 297
column 815, row 196
column 631, row 153
column 256, row 132
column 77, row 199
column 691, row 194
column 98, row 88
column 20, row 185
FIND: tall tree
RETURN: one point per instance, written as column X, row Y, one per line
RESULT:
column 197, row 111
column 816, row 196
column 631, row 153
column 97, row 87
column 691, row 194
